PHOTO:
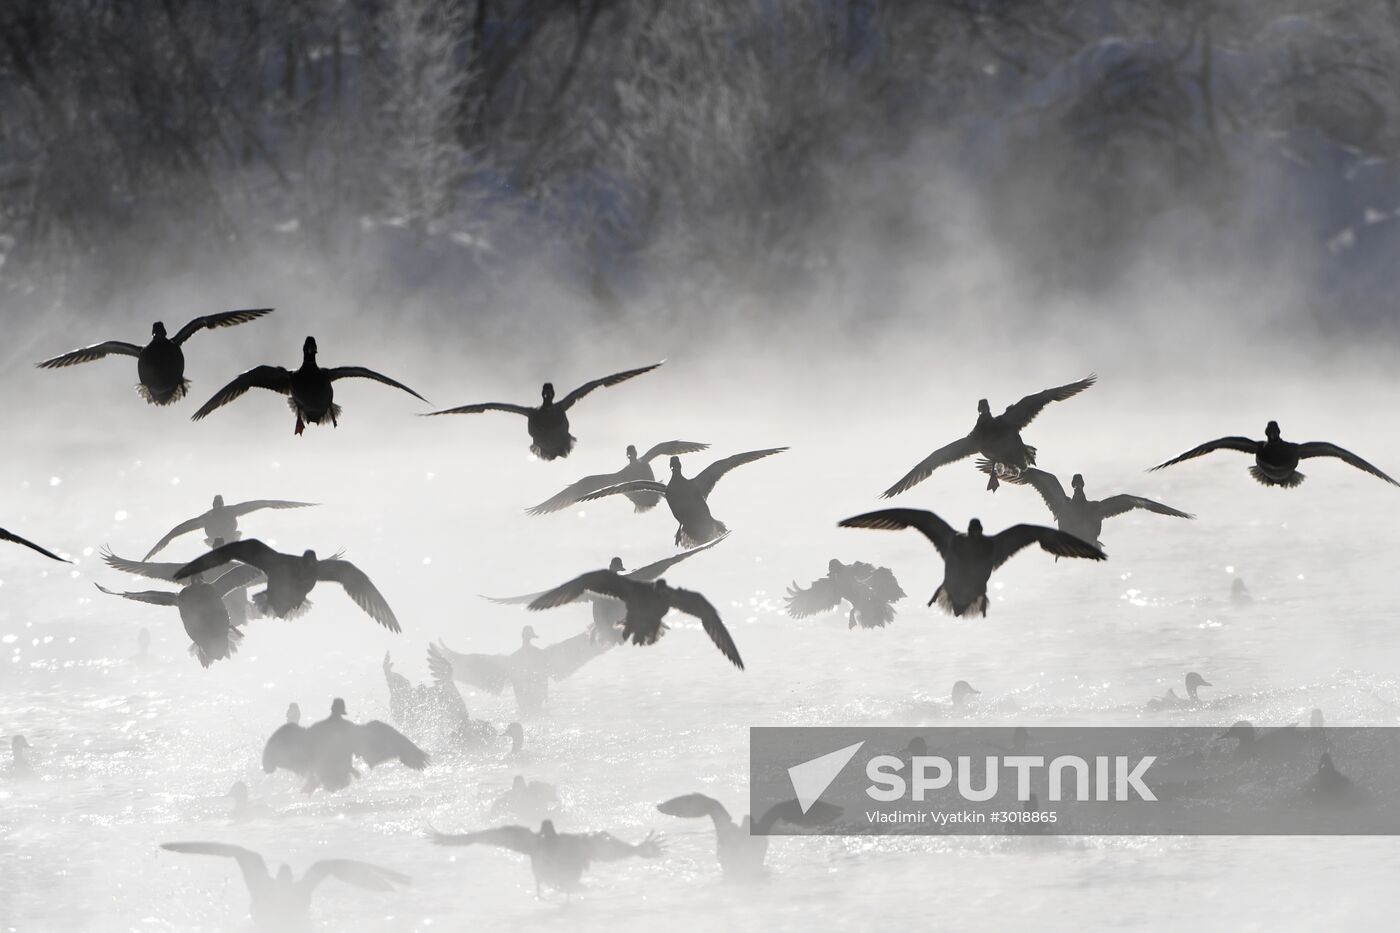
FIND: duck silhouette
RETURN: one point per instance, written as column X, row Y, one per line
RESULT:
column 202, row 610
column 637, row 468
column 324, row 752
column 526, row 800
column 160, row 364
column 240, row 607
column 244, row 808
column 871, row 592
column 1076, row 513
column 20, row 768
column 1276, row 460
column 742, row 847
column 1170, row 700
column 996, row 437
column 528, row 670
column 970, row 558
column 548, row 422
column 220, row 523
column 16, row 539
column 310, row 389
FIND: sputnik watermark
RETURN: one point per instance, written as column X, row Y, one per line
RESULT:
column 888, row 784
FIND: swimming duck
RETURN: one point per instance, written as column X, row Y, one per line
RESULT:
column 608, row 613
column 557, row 860
column 548, row 422
column 290, row 578
column 1170, row 700
column 527, row 670
column 742, row 847
column 996, row 437
column 160, row 364
column 637, row 468
column 324, row 752
column 1239, row 595
column 871, row 591
column 220, row 523
column 961, row 694
column 688, row 497
column 1077, row 514
column 646, row 604
column 1284, row 743
column 1276, row 460
column 526, row 800
column 240, row 607
column 19, row 762
column 283, row 903
column 1330, row 786
column 202, row 611
column 243, row 808
column 970, row 558
column 310, row 389
column 8, row 536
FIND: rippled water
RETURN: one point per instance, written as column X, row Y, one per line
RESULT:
column 132, row 755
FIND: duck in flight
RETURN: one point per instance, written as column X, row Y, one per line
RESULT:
column 324, row 752
column 637, row 468
column 160, row 364
column 646, row 604
column 1276, row 460
column 871, row 591
column 742, row 847
column 1076, row 513
column 557, row 860
column 281, row 902
column 240, row 608
column 221, row 521
column 310, row 389
column 688, row 497
column 548, row 422
column 16, row 539
column 970, row 558
column 996, row 437
column 608, row 613
column 291, row 577
column 527, row 671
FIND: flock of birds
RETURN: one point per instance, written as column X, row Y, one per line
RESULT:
column 215, row 602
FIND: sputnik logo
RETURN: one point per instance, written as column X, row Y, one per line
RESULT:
column 811, row 778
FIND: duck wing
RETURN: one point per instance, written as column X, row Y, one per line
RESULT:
column 696, row 806
column 883, row 585
column 236, row 579
column 926, row 523
column 960, row 449
column 249, row 551
column 449, row 695
column 87, row 354
column 516, row 838
column 605, row 847
column 272, row 378
column 705, row 480
column 515, row 600
column 790, row 811
column 1117, row 505
column 822, row 596
column 525, row 410
column 360, row 372
column 672, row 449
column 184, row 528
column 489, row 672
column 250, row 863
column 1023, row 412
column 360, row 874
column 377, row 742
column 222, row 319
column 1047, row 484
column 16, row 539
column 604, row 582
column 564, row 658
column 288, row 747
column 636, row 485
column 693, row 604
column 154, row 597
column 1325, row 449
column 359, row 588
column 254, row 505
column 605, row 382
column 573, row 493
column 1059, row 543
column 657, row 568
column 1243, row 444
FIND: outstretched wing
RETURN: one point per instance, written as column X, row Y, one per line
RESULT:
column 573, row 493
column 87, row 354
column 153, row 569
column 1059, row 543
column 449, row 695
column 694, row 807
column 9, row 536
column 222, row 319
column 657, row 568
column 1242, row 444
column 516, row 838
column 1024, row 411
column 236, row 579
column 790, row 811
column 489, row 672
column 1325, row 449
column 249, row 551
column 705, row 480
column 359, row 588
column 595, row 581
column 1117, row 505
column 254, row 505
column 249, row 862
column 693, row 604
column 377, row 742
column 564, row 658
column 154, row 597
column 603, row 383
column 484, row 406
column 183, row 528
column 636, row 485
column 360, row 372
column 960, row 449
column 272, row 378
column 360, row 874
column 672, row 449
column 605, row 847
column 821, row 596
column 929, row 525
column 1047, row 485
column 288, row 747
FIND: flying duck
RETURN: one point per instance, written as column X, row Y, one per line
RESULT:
column 160, row 364
column 742, row 847
column 324, row 752
column 221, row 521
column 687, row 496
column 970, row 558
column 1077, row 514
column 637, row 468
column 310, row 389
column 871, row 591
column 527, row 670
column 996, row 437
column 548, row 422
column 240, row 607
column 1276, row 460
column 8, row 536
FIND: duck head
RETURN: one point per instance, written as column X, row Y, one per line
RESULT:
column 239, row 793
column 631, row 454
column 834, row 566
column 1271, row 430
column 308, row 349
column 516, row 733
column 518, row 783
column 18, row 744
column 974, row 528
column 962, row 689
column 917, row 747
column 547, row 829
column 1194, row 681
column 527, row 635
column 983, row 408
column 158, row 330
column 1325, row 765
column 308, row 558
column 675, row 466
column 338, row 707
column 1077, row 483
column 615, row 565
column 293, row 713
column 218, row 502
column 547, row 393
